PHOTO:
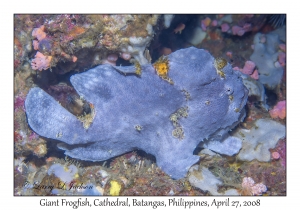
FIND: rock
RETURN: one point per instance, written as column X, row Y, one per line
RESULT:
column 256, row 142
column 204, row 180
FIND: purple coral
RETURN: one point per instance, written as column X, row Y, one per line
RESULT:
column 281, row 149
column 44, row 46
column 19, row 102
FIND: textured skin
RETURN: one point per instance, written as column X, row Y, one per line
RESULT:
column 124, row 101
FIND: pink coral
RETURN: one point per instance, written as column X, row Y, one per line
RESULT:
column 282, row 47
column 35, row 44
column 33, row 136
column 249, row 185
column 214, row 23
column 111, row 59
column 241, row 32
column 248, row 67
column 236, row 30
column 229, row 54
column 39, row 33
column 125, row 56
column 275, row 155
column 258, row 189
column 248, row 182
column 255, row 75
column 41, row 62
column 19, row 102
column 281, row 58
column 205, row 23
column 166, row 51
column 74, row 59
column 247, row 27
column 179, row 28
column 225, row 27
column 279, row 110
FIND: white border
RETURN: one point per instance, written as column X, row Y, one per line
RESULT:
column 8, row 8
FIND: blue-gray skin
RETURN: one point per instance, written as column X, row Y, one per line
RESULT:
column 134, row 112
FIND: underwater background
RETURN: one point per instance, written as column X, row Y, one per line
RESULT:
column 49, row 49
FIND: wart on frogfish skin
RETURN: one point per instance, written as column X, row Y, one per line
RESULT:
column 162, row 68
column 186, row 94
column 88, row 118
column 138, row 68
column 207, row 102
column 138, row 128
column 219, row 64
column 178, row 132
column 59, row 134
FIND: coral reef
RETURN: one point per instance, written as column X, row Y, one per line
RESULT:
column 129, row 174
column 279, row 110
column 39, row 33
column 250, row 188
column 72, row 38
column 231, row 172
column 41, row 62
column 273, row 176
column 241, row 24
column 50, row 48
column 25, row 140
